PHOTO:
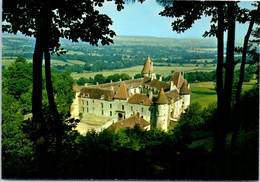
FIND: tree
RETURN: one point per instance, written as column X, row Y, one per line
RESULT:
column 17, row 78
column 139, row 75
column 224, row 14
column 99, row 78
column 49, row 21
column 17, row 149
column 254, row 16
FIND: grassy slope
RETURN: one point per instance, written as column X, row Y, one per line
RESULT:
column 205, row 92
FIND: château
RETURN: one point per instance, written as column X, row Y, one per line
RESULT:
column 147, row 101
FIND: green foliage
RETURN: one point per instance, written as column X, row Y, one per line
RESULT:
column 17, row 149
column 193, row 77
column 63, row 92
column 139, row 75
column 17, row 78
column 100, row 78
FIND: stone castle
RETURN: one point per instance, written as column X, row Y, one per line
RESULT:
column 146, row 101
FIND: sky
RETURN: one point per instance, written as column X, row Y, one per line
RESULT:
column 144, row 20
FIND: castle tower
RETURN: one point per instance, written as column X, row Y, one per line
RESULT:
column 162, row 111
column 148, row 69
column 185, row 93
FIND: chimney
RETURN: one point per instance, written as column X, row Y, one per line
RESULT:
column 160, row 78
column 138, row 116
column 111, row 81
column 86, row 84
column 150, row 94
column 133, row 77
column 171, row 86
column 188, row 85
column 97, row 83
column 120, row 79
column 129, row 90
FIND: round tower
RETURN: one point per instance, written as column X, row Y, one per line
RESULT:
column 162, row 111
column 185, row 93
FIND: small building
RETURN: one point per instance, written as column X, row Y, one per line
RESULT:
column 130, row 123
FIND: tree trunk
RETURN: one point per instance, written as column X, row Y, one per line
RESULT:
column 229, row 69
column 241, row 78
column 41, row 149
column 220, row 38
column 54, row 111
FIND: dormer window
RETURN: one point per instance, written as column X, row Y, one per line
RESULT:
column 142, row 102
column 102, row 96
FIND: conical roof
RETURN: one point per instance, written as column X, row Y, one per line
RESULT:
column 162, row 98
column 122, row 92
column 148, row 68
column 184, row 89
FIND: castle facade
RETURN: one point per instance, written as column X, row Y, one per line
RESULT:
column 154, row 103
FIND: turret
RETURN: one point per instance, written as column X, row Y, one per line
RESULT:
column 162, row 110
column 148, row 69
column 185, row 93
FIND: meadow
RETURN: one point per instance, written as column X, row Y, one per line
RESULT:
column 161, row 70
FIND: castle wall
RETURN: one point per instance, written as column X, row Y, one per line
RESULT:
column 133, row 109
column 186, row 101
column 177, row 109
column 113, row 108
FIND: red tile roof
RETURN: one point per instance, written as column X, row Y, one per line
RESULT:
column 130, row 122
column 177, row 79
column 122, row 92
column 184, row 89
column 158, row 85
column 140, row 99
column 148, row 68
column 96, row 93
column 162, row 98
column 174, row 95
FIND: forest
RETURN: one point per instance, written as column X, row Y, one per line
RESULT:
column 219, row 142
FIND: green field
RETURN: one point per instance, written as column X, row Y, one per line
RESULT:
column 205, row 93
column 161, row 70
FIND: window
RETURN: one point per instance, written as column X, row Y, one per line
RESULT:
column 101, row 105
column 82, row 109
column 131, row 108
column 102, row 112
column 111, row 106
column 82, row 102
column 87, row 109
column 123, row 107
column 93, row 101
column 142, row 110
column 87, row 103
column 110, row 113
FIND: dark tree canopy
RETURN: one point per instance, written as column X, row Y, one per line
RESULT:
column 73, row 20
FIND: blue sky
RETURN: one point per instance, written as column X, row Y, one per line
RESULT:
column 144, row 20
